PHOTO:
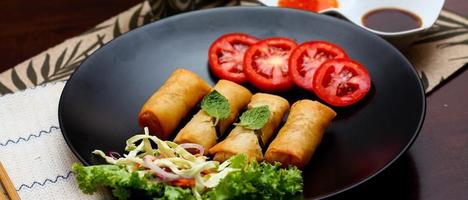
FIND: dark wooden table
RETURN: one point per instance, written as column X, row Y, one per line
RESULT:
column 436, row 166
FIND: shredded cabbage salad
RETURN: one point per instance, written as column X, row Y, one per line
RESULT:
column 170, row 162
column 181, row 171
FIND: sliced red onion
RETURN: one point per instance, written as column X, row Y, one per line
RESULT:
column 198, row 147
column 158, row 171
column 151, row 158
column 114, row 155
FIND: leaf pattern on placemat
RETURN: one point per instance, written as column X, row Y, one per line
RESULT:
column 135, row 18
column 17, row 81
column 63, row 67
column 117, row 32
column 446, row 27
column 156, row 9
column 58, row 63
column 450, row 44
column 4, row 89
column 424, row 80
column 95, row 29
column 31, row 73
column 63, row 71
column 165, row 8
column 45, row 68
column 148, row 18
column 460, row 58
column 200, row 4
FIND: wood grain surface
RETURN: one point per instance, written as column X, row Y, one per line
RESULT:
column 436, row 166
column 7, row 185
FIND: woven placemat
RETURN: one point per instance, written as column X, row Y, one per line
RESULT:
column 436, row 54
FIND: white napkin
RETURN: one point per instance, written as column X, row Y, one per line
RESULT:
column 32, row 148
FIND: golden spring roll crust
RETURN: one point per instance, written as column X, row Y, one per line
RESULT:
column 277, row 105
column 242, row 140
column 200, row 129
column 163, row 111
column 301, row 134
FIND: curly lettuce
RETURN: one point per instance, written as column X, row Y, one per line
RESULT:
column 123, row 183
column 257, row 181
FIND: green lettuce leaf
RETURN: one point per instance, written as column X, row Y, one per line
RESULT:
column 257, row 181
column 122, row 183
column 176, row 193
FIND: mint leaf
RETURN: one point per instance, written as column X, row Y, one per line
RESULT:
column 254, row 118
column 216, row 105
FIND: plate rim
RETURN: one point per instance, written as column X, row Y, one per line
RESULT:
column 265, row 9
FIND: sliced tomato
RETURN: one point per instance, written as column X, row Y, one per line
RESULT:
column 226, row 56
column 341, row 82
column 266, row 64
column 307, row 57
column 183, row 182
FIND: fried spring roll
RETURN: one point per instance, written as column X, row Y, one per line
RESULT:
column 163, row 111
column 301, row 134
column 249, row 142
column 239, row 140
column 201, row 130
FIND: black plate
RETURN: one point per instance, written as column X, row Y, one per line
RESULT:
column 99, row 105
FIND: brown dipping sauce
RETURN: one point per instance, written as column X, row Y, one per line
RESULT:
column 391, row 20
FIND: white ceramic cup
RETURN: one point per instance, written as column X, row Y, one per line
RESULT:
column 355, row 10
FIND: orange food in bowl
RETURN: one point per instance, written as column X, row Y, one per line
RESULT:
column 311, row 5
